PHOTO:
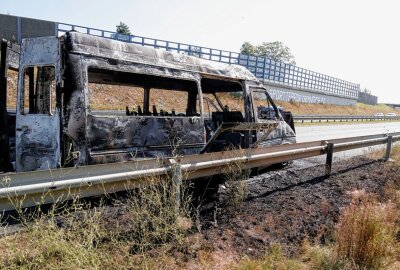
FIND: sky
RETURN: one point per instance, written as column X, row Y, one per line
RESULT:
column 354, row 40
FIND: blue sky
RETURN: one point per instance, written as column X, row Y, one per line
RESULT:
column 354, row 40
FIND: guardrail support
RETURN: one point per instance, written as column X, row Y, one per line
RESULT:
column 329, row 157
column 388, row 147
column 176, row 175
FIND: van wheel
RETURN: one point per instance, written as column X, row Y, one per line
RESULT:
column 206, row 189
column 286, row 163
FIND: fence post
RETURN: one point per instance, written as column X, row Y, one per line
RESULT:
column 19, row 29
column 329, row 156
column 388, row 147
column 176, row 174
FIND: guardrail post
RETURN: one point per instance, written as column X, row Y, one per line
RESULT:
column 176, row 175
column 329, row 157
column 388, row 147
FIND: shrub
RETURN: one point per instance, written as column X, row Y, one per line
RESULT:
column 366, row 232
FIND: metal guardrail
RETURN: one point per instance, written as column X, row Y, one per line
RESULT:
column 40, row 187
column 263, row 68
column 342, row 118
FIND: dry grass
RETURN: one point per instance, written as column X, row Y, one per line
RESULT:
column 357, row 109
column 366, row 233
column 147, row 232
column 235, row 186
column 274, row 260
column 366, row 237
column 138, row 235
column 379, row 154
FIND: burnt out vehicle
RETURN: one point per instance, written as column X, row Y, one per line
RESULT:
column 84, row 100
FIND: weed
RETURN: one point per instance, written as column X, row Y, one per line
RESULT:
column 235, row 176
column 137, row 234
column 273, row 261
column 366, row 231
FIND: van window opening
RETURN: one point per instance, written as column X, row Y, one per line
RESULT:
column 263, row 105
column 39, row 90
column 133, row 94
column 222, row 96
column 12, row 86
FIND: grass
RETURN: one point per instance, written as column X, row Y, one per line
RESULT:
column 366, row 236
column 148, row 231
column 357, row 109
column 138, row 235
column 274, row 260
column 235, row 176
column 366, row 232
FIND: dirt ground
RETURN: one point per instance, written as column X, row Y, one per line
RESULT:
column 285, row 207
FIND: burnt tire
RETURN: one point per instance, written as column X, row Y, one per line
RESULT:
column 206, row 189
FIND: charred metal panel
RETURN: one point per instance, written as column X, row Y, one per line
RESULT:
column 142, row 136
column 282, row 134
column 37, row 135
column 74, row 112
column 9, row 60
column 97, row 46
column 37, row 142
column 91, row 139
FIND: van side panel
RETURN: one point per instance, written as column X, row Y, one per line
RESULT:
column 9, row 60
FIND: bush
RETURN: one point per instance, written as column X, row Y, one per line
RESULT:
column 366, row 232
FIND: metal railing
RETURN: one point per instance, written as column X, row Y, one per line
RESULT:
column 342, row 118
column 263, row 68
column 42, row 187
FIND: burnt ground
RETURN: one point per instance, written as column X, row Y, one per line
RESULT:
column 288, row 207
column 285, row 206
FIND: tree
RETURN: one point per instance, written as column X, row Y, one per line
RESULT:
column 248, row 48
column 123, row 28
column 276, row 51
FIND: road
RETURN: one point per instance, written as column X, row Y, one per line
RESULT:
column 323, row 132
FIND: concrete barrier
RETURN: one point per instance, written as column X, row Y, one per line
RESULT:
column 287, row 94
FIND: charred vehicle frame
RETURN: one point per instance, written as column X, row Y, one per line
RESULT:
column 56, row 124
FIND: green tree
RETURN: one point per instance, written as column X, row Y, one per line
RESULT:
column 248, row 48
column 123, row 28
column 276, row 51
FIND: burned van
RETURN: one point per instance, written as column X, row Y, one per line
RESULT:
column 85, row 100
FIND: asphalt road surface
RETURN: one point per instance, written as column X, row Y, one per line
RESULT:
column 324, row 132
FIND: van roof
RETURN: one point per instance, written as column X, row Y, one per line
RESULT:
column 108, row 48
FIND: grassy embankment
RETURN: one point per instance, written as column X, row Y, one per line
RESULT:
column 357, row 109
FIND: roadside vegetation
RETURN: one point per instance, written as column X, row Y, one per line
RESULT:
column 145, row 229
column 138, row 232
column 357, row 109
column 366, row 236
